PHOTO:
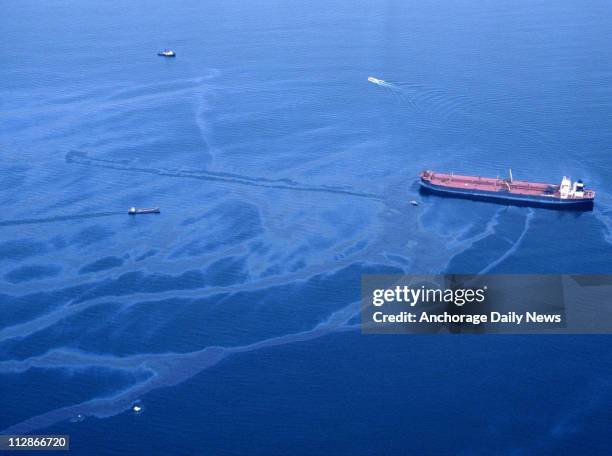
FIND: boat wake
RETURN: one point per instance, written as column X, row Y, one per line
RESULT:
column 437, row 106
column 395, row 90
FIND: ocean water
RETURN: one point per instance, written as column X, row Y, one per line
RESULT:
column 283, row 175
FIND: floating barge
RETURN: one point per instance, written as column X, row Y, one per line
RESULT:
column 143, row 210
column 566, row 195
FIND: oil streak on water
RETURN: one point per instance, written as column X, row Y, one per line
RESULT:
column 230, row 319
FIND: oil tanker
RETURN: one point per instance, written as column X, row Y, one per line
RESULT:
column 566, row 195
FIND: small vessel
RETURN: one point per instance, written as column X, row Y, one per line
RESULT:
column 414, row 203
column 568, row 194
column 167, row 53
column 137, row 407
column 143, row 210
column 375, row 80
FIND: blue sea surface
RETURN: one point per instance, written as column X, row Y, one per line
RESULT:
column 283, row 175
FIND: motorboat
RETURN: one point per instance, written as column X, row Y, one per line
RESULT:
column 167, row 53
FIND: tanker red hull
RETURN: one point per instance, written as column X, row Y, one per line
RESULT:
column 508, row 190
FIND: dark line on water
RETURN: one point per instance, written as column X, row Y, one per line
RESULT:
column 283, row 184
column 58, row 218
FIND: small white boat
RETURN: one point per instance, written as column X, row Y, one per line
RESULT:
column 137, row 407
column 167, row 53
column 143, row 210
column 414, row 203
column 375, row 80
